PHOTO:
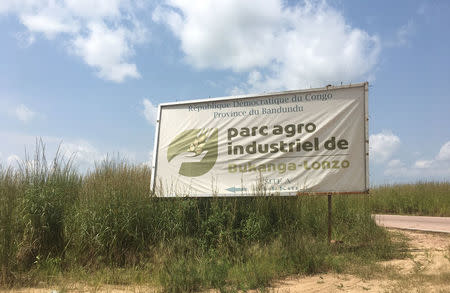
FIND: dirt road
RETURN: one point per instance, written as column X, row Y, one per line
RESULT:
column 431, row 224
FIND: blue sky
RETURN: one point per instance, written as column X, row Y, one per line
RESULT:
column 89, row 74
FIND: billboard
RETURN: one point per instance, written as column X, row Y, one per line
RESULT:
column 288, row 143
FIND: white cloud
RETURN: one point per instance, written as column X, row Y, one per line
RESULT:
column 47, row 24
column 150, row 160
column 83, row 152
column 395, row 164
column 19, row 111
column 383, row 145
column 420, row 170
column 13, row 161
column 25, row 39
column 150, row 111
column 102, row 32
column 444, row 152
column 423, row 164
column 396, row 168
column 23, row 113
column 282, row 46
column 423, row 7
column 224, row 34
column 434, row 169
column 402, row 35
column 106, row 50
column 94, row 9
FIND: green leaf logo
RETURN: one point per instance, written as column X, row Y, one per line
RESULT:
column 200, row 145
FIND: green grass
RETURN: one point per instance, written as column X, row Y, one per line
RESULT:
column 423, row 198
column 106, row 227
column 9, row 222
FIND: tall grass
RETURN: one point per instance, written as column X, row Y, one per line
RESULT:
column 9, row 226
column 50, row 190
column 54, row 220
column 422, row 198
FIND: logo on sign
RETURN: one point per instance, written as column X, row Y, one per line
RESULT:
column 198, row 148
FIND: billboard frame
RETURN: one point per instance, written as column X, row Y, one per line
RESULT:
column 274, row 94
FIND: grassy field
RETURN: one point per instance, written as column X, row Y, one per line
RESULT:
column 422, row 198
column 106, row 227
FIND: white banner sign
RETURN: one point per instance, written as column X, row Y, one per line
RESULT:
column 288, row 143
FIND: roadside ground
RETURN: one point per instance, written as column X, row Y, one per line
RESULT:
column 427, row 269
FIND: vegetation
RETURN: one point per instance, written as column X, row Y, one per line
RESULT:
column 106, row 226
column 423, row 198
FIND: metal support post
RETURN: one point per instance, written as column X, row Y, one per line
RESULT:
column 329, row 218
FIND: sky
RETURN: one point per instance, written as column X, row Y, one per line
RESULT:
column 87, row 75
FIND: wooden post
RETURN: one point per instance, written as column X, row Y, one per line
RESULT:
column 329, row 218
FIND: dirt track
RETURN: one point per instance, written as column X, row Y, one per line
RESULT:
column 428, row 270
column 430, row 224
